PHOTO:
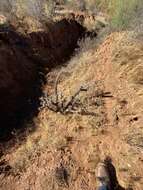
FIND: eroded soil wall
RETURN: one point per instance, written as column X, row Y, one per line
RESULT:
column 21, row 59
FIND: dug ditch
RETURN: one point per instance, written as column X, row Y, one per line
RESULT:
column 23, row 59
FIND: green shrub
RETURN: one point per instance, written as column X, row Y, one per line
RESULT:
column 121, row 12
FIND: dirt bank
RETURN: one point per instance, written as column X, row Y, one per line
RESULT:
column 21, row 60
column 56, row 45
column 17, row 74
column 110, row 125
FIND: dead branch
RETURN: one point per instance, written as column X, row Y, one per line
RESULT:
column 71, row 102
column 57, row 102
column 56, row 89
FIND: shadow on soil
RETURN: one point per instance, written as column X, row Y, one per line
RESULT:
column 22, row 57
column 113, row 176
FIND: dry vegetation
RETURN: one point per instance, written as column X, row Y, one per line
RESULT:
column 120, row 12
column 92, row 108
column 34, row 8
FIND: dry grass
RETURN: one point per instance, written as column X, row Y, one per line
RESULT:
column 78, row 141
column 120, row 12
column 50, row 133
column 40, row 10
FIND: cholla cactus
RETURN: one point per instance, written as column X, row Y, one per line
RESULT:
column 57, row 102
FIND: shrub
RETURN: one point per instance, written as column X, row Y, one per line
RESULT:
column 38, row 9
column 76, row 5
column 121, row 12
column 7, row 6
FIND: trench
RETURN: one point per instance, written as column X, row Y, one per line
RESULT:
column 25, row 61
